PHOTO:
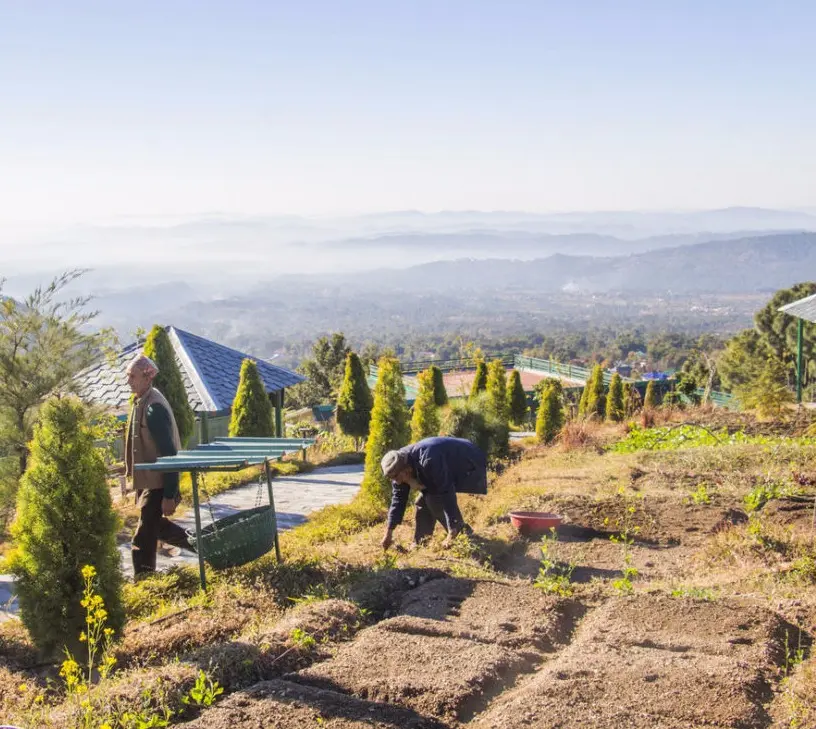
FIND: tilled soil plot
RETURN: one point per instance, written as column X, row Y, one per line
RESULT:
column 670, row 534
column 461, row 643
column 284, row 705
column 653, row 662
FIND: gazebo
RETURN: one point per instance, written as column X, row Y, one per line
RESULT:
column 805, row 311
column 210, row 372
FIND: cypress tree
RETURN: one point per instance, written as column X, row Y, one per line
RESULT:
column 389, row 429
column 596, row 397
column 584, row 401
column 614, row 403
column 251, row 409
column 355, row 401
column 480, row 381
column 550, row 417
column 65, row 520
column 425, row 419
column 497, row 390
column 516, row 399
column 631, row 399
column 474, row 420
column 440, row 394
column 168, row 381
column 652, row 399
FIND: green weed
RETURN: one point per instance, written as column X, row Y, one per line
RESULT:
column 695, row 593
column 627, row 531
column 302, row 639
column 204, row 693
column 701, row 495
column 554, row 577
column 770, row 489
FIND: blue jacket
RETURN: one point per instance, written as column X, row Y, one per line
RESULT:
column 445, row 467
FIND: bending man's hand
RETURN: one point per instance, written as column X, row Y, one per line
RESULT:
column 168, row 506
column 387, row 540
column 449, row 539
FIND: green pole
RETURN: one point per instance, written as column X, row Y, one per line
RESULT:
column 201, row 573
column 204, row 435
column 799, row 332
column 279, row 414
column 268, row 472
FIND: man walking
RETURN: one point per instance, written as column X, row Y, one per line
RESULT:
column 151, row 433
column 438, row 468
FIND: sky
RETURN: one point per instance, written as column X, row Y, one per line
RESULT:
column 111, row 109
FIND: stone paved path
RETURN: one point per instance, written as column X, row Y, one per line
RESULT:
column 295, row 497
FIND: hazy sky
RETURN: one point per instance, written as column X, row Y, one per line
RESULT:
column 114, row 107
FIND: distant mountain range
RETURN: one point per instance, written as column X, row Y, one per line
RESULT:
column 200, row 249
column 757, row 263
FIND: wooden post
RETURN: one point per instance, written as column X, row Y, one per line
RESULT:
column 268, row 472
column 196, row 509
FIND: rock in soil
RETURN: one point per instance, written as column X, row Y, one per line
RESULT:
column 284, row 705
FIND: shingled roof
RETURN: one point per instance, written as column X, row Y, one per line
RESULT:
column 210, row 372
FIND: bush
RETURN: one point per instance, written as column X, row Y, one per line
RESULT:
column 480, row 380
column 425, row 419
column 389, row 428
column 768, row 394
column 251, row 409
column 64, row 521
column 473, row 421
column 440, row 394
column 497, row 390
column 354, row 401
column 615, row 410
column 168, row 381
column 516, row 399
column 550, row 417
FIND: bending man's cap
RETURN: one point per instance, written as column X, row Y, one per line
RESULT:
column 392, row 463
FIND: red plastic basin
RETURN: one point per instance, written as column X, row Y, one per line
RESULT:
column 534, row 522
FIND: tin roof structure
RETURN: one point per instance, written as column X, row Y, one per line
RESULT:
column 210, row 372
column 803, row 308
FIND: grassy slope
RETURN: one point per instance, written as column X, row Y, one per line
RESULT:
column 690, row 501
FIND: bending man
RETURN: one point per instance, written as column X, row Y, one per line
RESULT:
column 438, row 468
column 151, row 433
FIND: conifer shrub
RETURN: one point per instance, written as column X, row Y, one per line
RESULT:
column 480, row 380
column 516, row 399
column 169, row 381
column 355, row 400
column 65, row 520
column 425, row 418
column 593, row 398
column 389, row 429
column 474, row 421
column 251, row 409
column 582, row 402
column 615, row 410
column 550, row 416
column 651, row 399
column 631, row 399
column 440, row 393
column 497, row 390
